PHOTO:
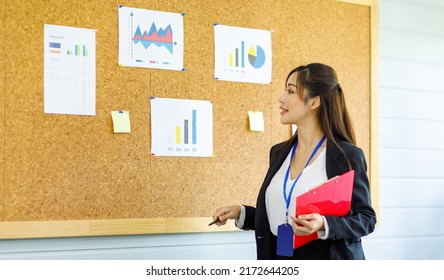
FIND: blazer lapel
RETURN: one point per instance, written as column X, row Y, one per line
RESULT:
column 278, row 158
column 336, row 163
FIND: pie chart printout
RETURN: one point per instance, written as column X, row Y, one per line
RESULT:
column 242, row 54
column 256, row 57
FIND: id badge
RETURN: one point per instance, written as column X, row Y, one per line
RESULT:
column 285, row 240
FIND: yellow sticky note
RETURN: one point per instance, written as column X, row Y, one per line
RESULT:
column 121, row 121
column 256, row 120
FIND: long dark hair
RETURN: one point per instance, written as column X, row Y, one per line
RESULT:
column 321, row 80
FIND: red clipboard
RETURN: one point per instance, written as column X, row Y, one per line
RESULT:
column 332, row 198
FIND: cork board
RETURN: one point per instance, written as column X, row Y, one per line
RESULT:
column 73, row 176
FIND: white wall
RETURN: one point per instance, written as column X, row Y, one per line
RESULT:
column 411, row 161
column 196, row 246
column 411, row 120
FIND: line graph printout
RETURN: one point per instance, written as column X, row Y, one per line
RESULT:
column 150, row 39
column 181, row 127
column 69, row 70
column 242, row 54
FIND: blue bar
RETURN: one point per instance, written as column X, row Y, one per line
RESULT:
column 243, row 53
column 194, row 127
column 76, row 50
column 55, row 45
column 84, row 50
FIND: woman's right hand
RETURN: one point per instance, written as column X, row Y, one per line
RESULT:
column 223, row 214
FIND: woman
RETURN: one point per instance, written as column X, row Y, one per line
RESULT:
column 323, row 147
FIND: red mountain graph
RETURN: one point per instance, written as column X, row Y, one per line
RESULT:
column 160, row 37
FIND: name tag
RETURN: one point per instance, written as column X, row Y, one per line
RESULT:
column 285, row 240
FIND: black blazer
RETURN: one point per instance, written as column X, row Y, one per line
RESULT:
column 343, row 241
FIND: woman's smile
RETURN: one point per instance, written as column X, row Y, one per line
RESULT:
column 283, row 111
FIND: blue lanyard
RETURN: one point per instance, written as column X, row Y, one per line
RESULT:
column 288, row 198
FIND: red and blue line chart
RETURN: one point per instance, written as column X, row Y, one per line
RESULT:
column 150, row 39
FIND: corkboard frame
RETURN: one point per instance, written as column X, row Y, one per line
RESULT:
column 104, row 227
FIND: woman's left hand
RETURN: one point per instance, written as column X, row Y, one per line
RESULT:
column 307, row 224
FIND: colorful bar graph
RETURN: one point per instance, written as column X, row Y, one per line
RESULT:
column 79, row 51
column 236, row 58
column 186, row 130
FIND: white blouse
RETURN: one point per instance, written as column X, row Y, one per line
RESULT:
column 312, row 176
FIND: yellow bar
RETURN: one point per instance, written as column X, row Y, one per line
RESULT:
column 231, row 59
column 177, row 134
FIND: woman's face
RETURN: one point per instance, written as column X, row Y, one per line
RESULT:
column 293, row 109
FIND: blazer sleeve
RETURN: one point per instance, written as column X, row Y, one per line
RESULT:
column 362, row 218
column 250, row 213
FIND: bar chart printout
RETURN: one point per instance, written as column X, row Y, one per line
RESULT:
column 242, row 54
column 181, row 127
column 69, row 70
